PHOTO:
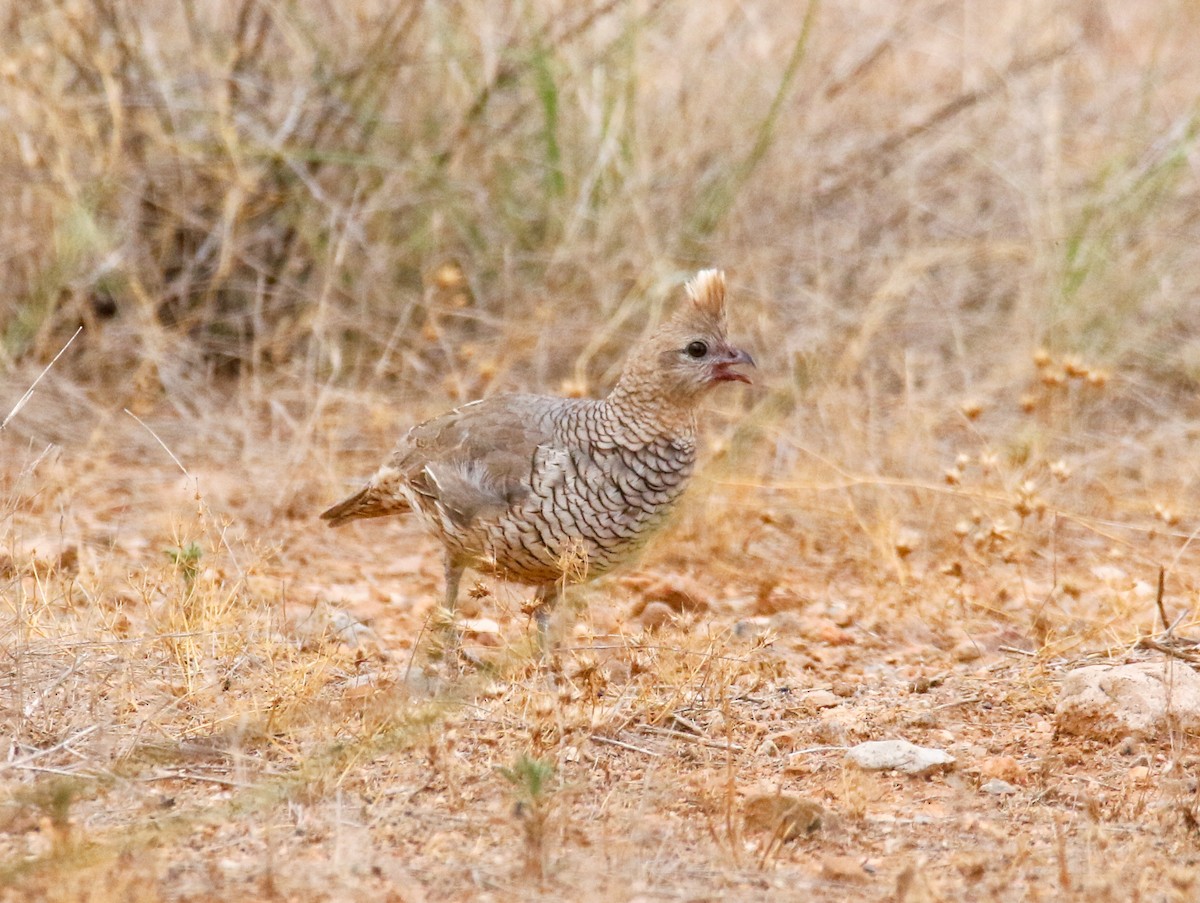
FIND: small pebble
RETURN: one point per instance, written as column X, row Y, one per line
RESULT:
column 967, row 651
column 1139, row 774
column 1004, row 768
column 997, row 787
column 843, row 868
column 821, row 699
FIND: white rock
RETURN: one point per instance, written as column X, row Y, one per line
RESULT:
column 899, row 755
column 349, row 629
column 998, row 787
column 1142, row 700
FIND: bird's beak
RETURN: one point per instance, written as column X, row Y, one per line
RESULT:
column 724, row 372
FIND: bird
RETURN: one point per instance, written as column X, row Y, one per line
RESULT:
column 548, row 491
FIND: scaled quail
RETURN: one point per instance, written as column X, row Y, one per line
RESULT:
column 548, row 491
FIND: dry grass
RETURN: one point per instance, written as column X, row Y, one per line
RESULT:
column 961, row 239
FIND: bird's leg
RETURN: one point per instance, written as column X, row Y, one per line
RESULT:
column 445, row 618
column 548, row 595
column 454, row 572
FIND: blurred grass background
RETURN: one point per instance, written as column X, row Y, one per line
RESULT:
column 433, row 201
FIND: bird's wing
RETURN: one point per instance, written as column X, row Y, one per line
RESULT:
column 478, row 459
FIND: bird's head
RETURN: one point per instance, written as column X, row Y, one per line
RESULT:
column 689, row 353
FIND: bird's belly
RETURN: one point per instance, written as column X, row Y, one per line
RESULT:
column 584, row 513
column 537, row 543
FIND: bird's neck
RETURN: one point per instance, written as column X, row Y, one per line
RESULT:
column 650, row 416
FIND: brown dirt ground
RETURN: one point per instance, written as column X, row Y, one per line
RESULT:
column 259, row 726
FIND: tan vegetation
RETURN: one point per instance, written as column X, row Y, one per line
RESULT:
column 961, row 243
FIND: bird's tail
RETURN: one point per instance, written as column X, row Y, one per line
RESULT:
column 367, row 502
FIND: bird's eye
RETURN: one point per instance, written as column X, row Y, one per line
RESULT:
column 696, row 349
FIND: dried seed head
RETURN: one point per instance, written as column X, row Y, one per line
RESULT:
column 1074, row 367
column 1166, row 515
column 585, row 662
column 567, row 694
column 972, row 408
column 573, row 388
column 449, row 276
column 906, row 541
column 542, row 706
column 1028, row 501
column 1052, row 378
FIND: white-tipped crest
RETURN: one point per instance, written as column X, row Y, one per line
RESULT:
column 707, row 291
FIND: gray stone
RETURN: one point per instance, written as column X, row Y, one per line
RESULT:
column 1146, row 699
